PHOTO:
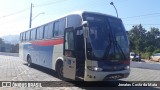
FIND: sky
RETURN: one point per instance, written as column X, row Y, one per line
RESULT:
column 14, row 14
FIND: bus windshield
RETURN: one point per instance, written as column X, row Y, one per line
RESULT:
column 98, row 40
column 107, row 40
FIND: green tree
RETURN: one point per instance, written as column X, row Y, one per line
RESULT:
column 153, row 38
column 141, row 40
column 137, row 37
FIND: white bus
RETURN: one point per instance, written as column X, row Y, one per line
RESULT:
column 87, row 45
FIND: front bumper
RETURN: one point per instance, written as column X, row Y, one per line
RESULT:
column 104, row 76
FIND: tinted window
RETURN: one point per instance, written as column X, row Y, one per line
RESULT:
column 56, row 28
column 40, row 32
column 28, row 35
column 59, row 27
column 23, row 36
column 69, row 41
column 48, row 30
column 74, row 21
column 33, row 34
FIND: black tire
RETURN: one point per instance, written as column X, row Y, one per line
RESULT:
column 29, row 61
column 59, row 69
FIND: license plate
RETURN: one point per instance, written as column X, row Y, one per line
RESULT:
column 115, row 77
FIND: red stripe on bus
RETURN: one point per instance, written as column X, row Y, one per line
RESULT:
column 48, row 42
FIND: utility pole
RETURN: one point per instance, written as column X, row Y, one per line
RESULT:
column 30, row 20
column 114, row 8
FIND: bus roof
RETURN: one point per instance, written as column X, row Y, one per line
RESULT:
column 80, row 12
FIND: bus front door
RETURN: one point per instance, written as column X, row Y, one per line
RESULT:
column 69, row 64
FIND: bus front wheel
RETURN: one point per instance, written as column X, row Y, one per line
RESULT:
column 59, row 69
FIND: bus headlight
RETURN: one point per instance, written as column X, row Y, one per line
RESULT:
column 127, row 67
column 93, row 68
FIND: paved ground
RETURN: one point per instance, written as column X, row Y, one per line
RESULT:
column 146, row 65
column 14, row 69
column 9, row 54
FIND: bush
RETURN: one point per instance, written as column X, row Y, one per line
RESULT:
column 146, row 55
column 156, row 51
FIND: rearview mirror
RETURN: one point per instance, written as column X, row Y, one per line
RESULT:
column 85, row 23
column 85, row 29
column 85, row 32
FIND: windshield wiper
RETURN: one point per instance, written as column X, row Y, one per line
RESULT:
column 108, row 48
column 113, row 43
column 120, row 50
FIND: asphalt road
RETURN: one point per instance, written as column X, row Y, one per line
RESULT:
column 146, row 65
column 9, row 54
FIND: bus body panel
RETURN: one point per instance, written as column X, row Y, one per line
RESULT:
column 25, row 52
column 57, row 54
column 69, row 67
column 40, row 55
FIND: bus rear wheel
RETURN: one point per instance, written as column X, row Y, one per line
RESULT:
column 59, row 69
column 29, row 61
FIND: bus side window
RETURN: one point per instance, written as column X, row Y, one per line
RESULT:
column 62, row 26
column 27, row 35
column 48, row 30
column 74, row 21
column 59, row 27
column 40, row 32
column 56, row 28
column 24, row 36
column 33, row 34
